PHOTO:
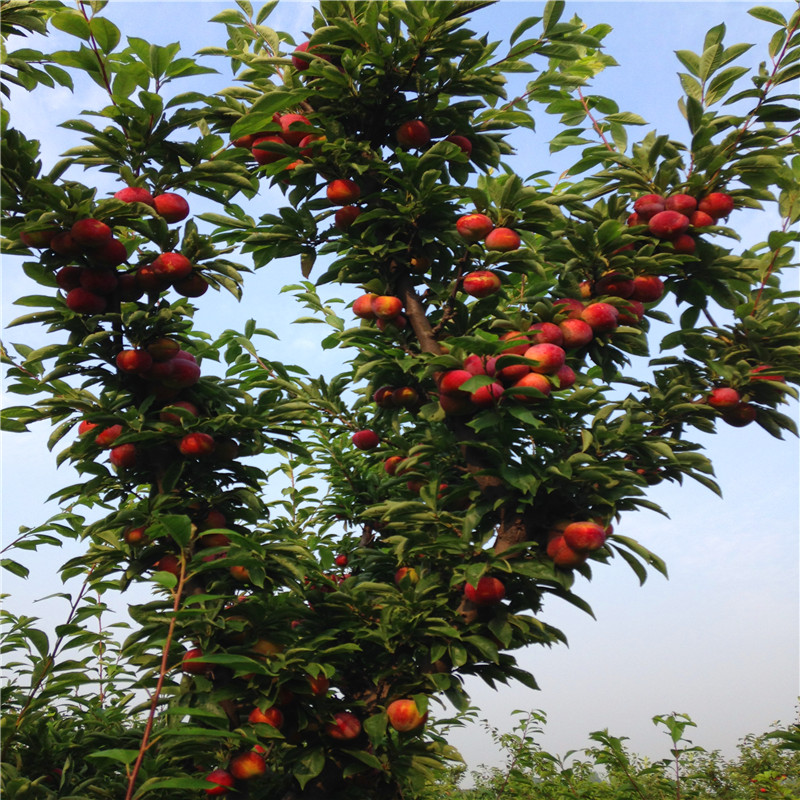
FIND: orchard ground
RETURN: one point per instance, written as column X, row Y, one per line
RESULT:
column 719, row 640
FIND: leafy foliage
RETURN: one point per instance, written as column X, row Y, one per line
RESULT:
column 364, row 583
column 608, row 769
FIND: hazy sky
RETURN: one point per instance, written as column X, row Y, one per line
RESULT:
column 719, row 640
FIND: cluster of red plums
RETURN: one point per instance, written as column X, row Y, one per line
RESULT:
column 735, row 405
column 402, row 714
column 530, row 364
column 477, row 227
column 210, row 543
column 267, row 147
column 91, row 257
column 676, row 218
column 96, row 280
column 397, row 397
column 539, row 364
column 384, row 309
column 293, row 136
column 164, row 369
column 569, row 543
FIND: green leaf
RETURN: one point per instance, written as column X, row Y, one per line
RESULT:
column 552, row 13
column 523, row 676
column 265, row 11
column 689, row 60
column 240, row 662
column 229, row 17
column 768, row 15
column 626, row 118
column 171, row 783
column 14, row 567
column 486, row 647
column 159, row 58
column 151, row 102
column 194, row 730
column 177, row 527
column 309, row 765
column 523, row 26
column 165, row 579
column 691, row 86
column 710, row 60
column 650, row 558
column 458, row 654
column 44, row 353
column 13, row 425
column 620, row 137
column 61, row 76
column 59, row 433
column 366, row 758
column 776, row 43
column 635, row 565
column 713, row 38
column 36, row 301
column 307, row 259
column 375, row 727
column 260, row 114
column 73, row 23
column 116, row 754
column 707, row 482
column 694, row 113
column 722, row 82
column 791, row 73
column 105, row 33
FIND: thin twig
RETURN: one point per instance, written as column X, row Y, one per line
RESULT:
column 160, row 683
column 770, row 268
column 595, row 123
column 100, row 62
column 776, row 63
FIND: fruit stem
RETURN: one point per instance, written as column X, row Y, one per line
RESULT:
column 254, row 30
column 751, row 116
column 6, row 358
column 595, row 123
column 100, row 62
column 510, row 532
column 367, row 536
column 160, row 683
column 416, row 316
column 449, row 308
column 770, row 267
column 101, row 651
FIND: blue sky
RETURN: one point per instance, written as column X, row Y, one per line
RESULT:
column 719, row 640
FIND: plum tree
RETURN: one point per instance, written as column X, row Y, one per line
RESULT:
column 472, row 455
